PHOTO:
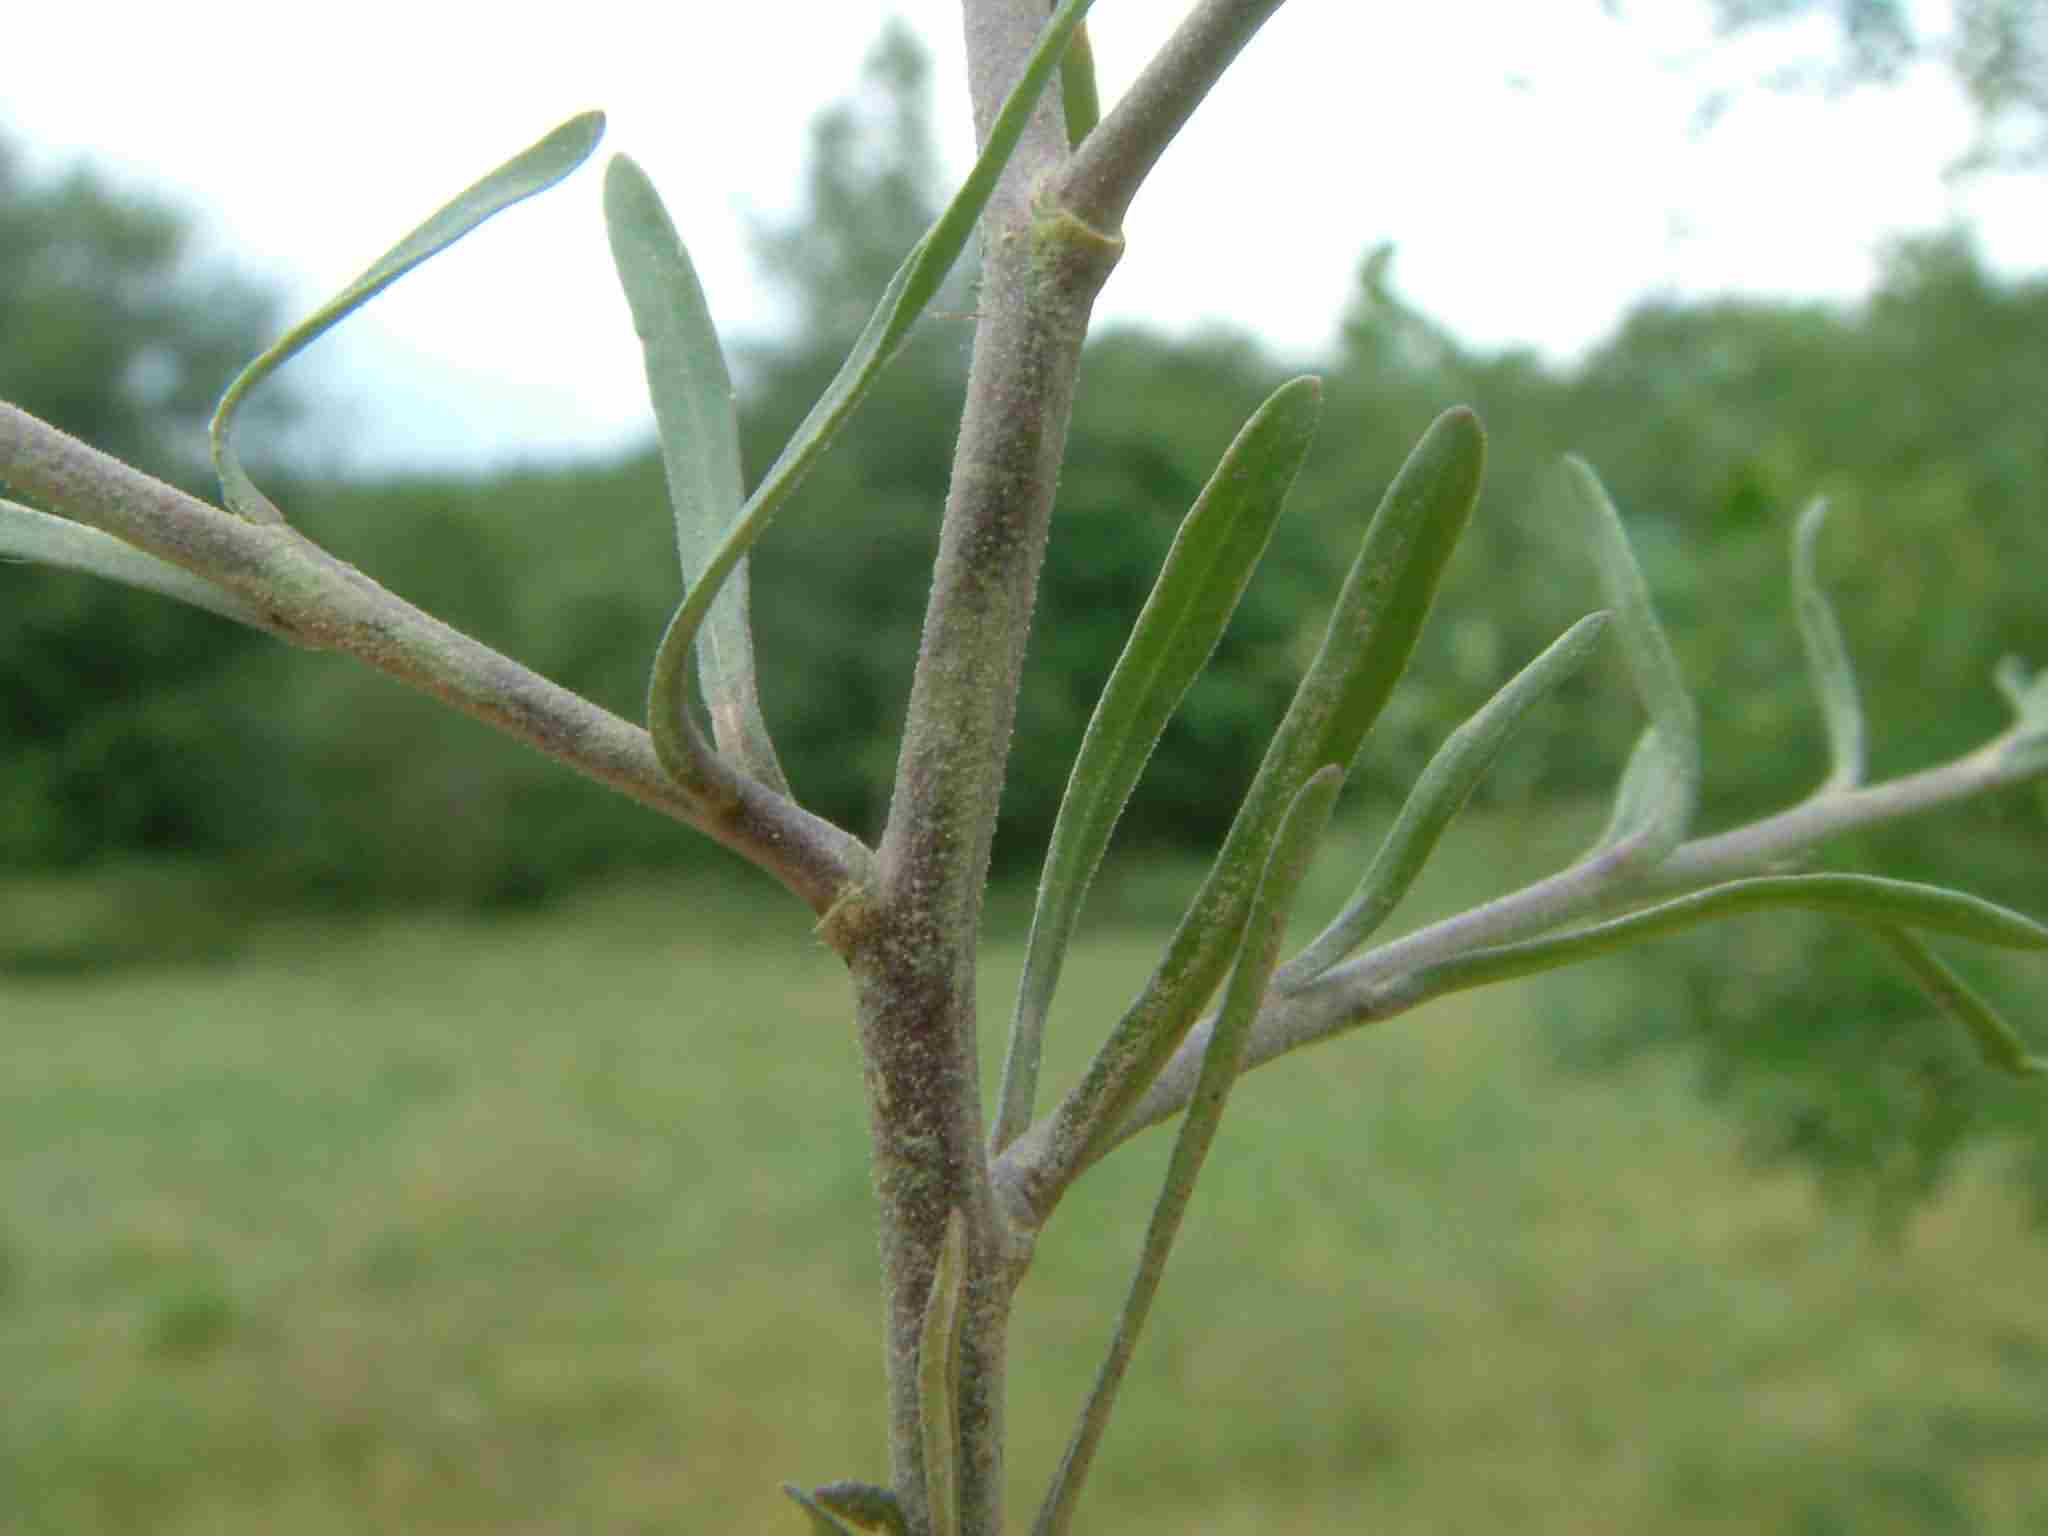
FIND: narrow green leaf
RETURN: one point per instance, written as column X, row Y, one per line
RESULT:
column 1994, row 1038
column 1294, row 846
column 1205, row 573
column 867, row 1505
column 1827, row 655
column 822, row 1521
column 1079, row 97
column 938, row 1379
column 1439, row 794
column 26, row 534
column 907, row 296
column 1372, row 632
column 534, row 170
column 1672, row 773
column 1867, row 898
column 700, row 450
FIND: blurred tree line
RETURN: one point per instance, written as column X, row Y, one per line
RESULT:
column 138, row 728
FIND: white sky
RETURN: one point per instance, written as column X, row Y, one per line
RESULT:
column 1534, row 163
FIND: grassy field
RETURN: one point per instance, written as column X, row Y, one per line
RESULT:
column 559, row 1223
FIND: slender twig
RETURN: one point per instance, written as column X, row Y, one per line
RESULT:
column 1110, row 165
column 317, row 600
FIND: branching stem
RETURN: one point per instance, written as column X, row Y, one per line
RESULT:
column 1383, row 983
column 319, row 601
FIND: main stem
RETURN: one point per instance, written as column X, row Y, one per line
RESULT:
column 913, row 936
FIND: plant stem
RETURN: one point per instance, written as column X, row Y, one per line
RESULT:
column 317, row 600
column 914, row 963
column 1113, row 161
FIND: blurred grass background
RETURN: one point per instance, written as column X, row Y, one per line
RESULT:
column 560, row 1222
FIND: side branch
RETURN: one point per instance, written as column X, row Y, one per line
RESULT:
column 313, row 599
column 1389, row 981
column 1097, row 185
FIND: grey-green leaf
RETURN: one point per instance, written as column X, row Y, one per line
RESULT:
column 1866, row 898
column 1994, row 1038
column 1827, row 655
column 534, row 170
column 1670, row 786
column 823, row 1523
column 907, row 296
column 938, row 1378
column 1446, row 783
column 1372, row 633
column 1294, row 844
column 26, row 534
column 867, row 1505
column 1079, row 97
column 698, row 427
column 1205, row 573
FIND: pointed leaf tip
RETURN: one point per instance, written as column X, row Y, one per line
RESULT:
column 1996, row 1041
column 27, row 534
column 823, row 1523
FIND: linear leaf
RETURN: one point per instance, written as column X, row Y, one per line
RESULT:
column 1294, row 845
column 1371, row 634
column 938, row 1377
column 908, row 294
column 1438, row 795
column 533, row 170
column 1670, row 788
column 1827, row 655
column 26, row 534
column 1898, row 903
column 867, row 1505
column 1205, row 573
column 691, row 389
column 822, row 1520
column 1994, row 1038
column 1079, row 97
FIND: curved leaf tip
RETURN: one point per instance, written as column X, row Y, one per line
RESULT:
column 1660, row 789
column 533, row 170
column 1827, row 654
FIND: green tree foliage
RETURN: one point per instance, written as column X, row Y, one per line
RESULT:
column 1996, row 50
column 109, row 329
